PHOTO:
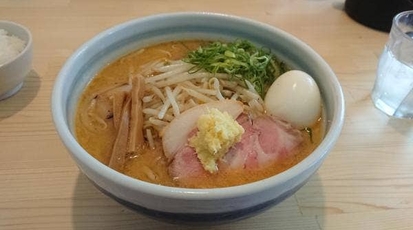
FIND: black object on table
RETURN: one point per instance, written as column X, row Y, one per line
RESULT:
column 376, row 14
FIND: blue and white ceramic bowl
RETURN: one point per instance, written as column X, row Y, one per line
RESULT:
column 179, row 204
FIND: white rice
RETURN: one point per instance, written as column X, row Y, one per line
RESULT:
column 10, row 46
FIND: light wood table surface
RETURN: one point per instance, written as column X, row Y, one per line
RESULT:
column 365, row 183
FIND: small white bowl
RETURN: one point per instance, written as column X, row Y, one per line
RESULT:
column 179, row 204
column 14, row 71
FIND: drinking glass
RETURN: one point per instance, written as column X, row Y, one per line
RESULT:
column 393, row 88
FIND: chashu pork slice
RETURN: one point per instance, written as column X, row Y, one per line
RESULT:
column 266, row 140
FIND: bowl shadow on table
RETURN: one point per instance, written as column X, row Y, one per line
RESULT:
column 18, row 101
column 93, row 210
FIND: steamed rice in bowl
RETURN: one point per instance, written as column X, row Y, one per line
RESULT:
column 10, row 46
column 15, row 57
column 169, row 200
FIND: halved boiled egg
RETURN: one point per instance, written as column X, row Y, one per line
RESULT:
column 294, row 97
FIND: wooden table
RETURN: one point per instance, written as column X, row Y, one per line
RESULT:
column 365, row 183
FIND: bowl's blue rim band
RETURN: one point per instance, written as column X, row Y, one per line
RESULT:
column 202, row 218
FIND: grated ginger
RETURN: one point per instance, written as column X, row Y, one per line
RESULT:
column 217, row 132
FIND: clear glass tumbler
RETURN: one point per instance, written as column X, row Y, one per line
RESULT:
column 393, row 88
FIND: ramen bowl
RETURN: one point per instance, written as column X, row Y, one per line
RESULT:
column 216, row 205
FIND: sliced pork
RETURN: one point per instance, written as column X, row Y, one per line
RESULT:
column 265, row 141
column 186, row 165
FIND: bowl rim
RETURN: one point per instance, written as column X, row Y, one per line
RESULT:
column 28, row 42
column 78, row 152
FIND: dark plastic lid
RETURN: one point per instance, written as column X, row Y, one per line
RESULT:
column 376, row 14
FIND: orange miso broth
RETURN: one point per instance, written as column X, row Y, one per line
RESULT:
column 98, row 128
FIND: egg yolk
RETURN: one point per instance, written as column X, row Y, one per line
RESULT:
column 217, row 132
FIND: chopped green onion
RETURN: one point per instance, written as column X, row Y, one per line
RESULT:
column 242, row 60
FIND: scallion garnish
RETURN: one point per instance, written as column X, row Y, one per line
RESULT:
column 242, row 60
